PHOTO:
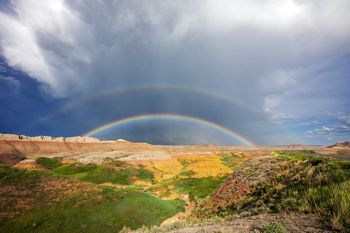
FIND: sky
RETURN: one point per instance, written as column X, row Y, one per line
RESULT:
column 227, row 72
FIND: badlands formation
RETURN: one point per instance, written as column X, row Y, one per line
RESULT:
column 93, row 150
column 184, row 188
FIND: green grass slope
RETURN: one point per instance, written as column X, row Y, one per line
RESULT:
column 116, row 174
column 303, row 183
column 39, row 201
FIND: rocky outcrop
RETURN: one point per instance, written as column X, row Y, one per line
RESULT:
column 341, row 145
column 81, row 149
column 9, row 137
column 30, row 164
column 341, row 148
column 14, row 137
column 11, row 158
column 242, row 181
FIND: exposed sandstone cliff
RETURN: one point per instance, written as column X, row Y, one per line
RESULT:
column 15, row 137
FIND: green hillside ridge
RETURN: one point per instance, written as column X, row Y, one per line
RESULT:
column 301, row 183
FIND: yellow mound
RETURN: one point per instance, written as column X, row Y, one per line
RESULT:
column 198, row 165
column 205, row 165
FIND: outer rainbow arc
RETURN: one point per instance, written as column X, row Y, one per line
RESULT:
column 150, row 87
column 169, row 87
column 171, row 117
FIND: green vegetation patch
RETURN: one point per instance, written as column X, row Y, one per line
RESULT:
column 145, row 174
column 102, row 174
column 186, row 174
column 198, row 187
column 132, row 209
column 89, row 209
column 230, row 160
column 185, row 163
column 296, row 154
column 275, row 227
column 184, row 183
column 75, row 170
column 25, row 178
column 49, row 163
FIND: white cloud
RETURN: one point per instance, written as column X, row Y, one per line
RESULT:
column 267, row 14
column 270, row 102
column 19, row 47
column 278, row 81
column 335, row 131
column 41, row 38
column 340, row 116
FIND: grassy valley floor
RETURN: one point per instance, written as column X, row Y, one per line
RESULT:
column 73, row 197
column 215, row 192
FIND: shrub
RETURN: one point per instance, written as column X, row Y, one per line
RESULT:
column 230, row 160
column 275, row 227
column 49, row 163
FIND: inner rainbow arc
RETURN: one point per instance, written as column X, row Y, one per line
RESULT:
column 120, row 122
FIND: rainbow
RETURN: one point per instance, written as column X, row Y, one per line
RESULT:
column 122, row 90
column 170, row 117
column 175, row 87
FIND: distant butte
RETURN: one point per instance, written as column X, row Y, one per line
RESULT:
column 341, row 145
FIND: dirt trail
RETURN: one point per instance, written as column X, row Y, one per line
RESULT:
column 189, row 207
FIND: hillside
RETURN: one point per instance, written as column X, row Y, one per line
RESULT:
column 285, row 186
column 342, row 148
column 111, row 185
column 341, row 145
column 287, row 192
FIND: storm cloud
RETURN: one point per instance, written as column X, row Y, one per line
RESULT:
column 284, row 59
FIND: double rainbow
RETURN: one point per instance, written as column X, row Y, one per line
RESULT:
column 174, row 117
